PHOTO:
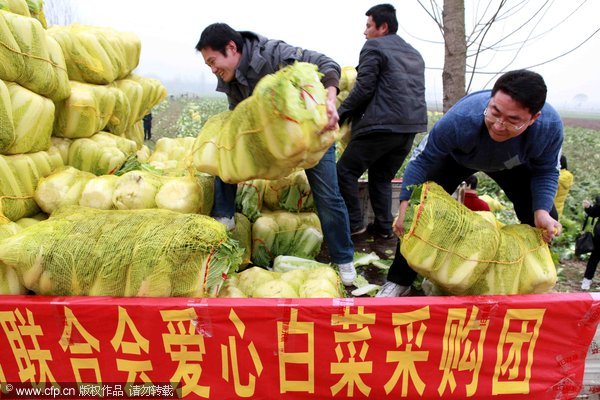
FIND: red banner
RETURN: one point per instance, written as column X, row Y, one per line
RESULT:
column 484, row 347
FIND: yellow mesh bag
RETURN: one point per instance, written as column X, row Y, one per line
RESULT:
column 86, row 112
column 7, row 128
column 82, row 251
column 15, row 6
column 9, row 280
column 19, row 177
column 134, row 93
column 153, row 93
column 29, row 59
column 463, row 252
column 347, row 82
column 270, row 134
column 97, row 55
column 136, row 133
column 32, row 116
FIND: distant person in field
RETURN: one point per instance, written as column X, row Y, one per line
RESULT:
column 565, row 181
column 512, row 135
column 386, row 109
column 593, row 211
column 240, row 60
column 470, row 198
column 147, row 120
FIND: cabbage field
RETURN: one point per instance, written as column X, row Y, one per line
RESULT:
column 184, row 116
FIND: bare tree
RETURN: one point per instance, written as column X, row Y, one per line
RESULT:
column 59, row 12
column 500, row 32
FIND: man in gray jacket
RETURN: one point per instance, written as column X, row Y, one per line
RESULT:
column 240, row 60
column 386, row 109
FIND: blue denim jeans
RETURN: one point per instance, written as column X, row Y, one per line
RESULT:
column 331, row 208
column 224, row 205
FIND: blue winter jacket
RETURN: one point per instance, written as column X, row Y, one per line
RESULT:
column 462, row 134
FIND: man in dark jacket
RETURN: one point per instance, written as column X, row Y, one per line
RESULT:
column 240, row 60
column 387, row 109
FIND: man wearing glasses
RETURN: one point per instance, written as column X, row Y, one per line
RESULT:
column 510, row 134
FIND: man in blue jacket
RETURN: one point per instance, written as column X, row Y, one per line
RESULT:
column 387, row 109
column 512, row 135
column 240, row 60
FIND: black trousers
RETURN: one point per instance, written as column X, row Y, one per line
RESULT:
column 382, row 154
column 515, row 182
column 594, row 259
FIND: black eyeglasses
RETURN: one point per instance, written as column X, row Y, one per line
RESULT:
column 500, row 121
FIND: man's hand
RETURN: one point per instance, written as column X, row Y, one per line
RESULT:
column 399, row 221
column 549, row 226
column 332, row 114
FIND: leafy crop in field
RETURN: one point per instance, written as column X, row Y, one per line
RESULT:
column 195, row 114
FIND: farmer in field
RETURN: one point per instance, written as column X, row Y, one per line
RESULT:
column 387, row 109
column 512, row 135
column 240, row 60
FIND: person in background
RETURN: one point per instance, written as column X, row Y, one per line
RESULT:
column 565, row 181
column 512, row 135
column 470, row 198
column 240, row 60
column 147, row 126
column 592, row 211
column 386, row 109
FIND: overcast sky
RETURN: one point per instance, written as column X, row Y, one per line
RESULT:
column 169, row 30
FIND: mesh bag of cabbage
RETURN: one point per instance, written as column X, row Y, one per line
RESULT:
column 158, row 253
column 464, row 252
column 271, row 133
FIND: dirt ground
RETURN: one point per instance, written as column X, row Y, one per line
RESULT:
column 587, row 123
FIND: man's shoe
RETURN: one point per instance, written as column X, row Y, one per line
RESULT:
column 586, row 284
column 391, row 289
column 347, row 273
column 375, row 231
column 358, row 231
column 229, row 222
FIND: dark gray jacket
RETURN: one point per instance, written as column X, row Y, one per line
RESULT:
column 262, row 56
column 389, row 94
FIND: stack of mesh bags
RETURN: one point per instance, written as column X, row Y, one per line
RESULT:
column 466, row 253
column 270, row 134
column 81, row 251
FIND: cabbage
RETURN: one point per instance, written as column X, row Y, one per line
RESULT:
column 62, row 187
column 98, row 192
column 182, row 194
column 275, row 288
column 252, row 278
column 136, row 190
column 284, row 263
